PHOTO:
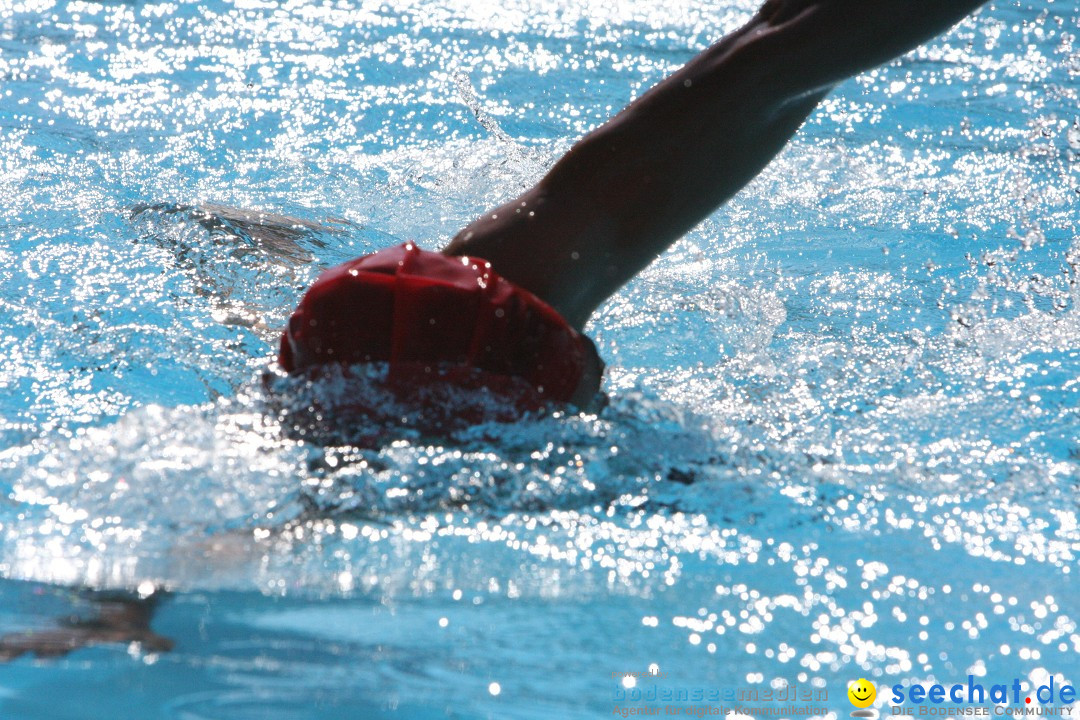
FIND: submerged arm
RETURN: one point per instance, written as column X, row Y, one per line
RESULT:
column 632, row 187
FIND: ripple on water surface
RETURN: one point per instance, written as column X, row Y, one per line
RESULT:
column 843, row 430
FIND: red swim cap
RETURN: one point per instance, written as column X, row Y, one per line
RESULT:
column 418, row 310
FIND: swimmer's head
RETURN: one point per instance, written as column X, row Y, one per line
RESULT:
column 587, row 396
column 410, row 308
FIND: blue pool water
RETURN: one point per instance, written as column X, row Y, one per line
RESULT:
column 844, row 431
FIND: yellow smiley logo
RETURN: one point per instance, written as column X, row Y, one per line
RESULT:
column 862, row 693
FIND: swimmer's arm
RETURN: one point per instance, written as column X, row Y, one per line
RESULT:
column 632, row 187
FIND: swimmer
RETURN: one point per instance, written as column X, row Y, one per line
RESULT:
column 538, row 266
column 617, row 200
